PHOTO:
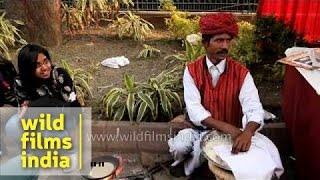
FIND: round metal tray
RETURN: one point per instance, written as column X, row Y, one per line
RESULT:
column 209, row 141
column 109, row 172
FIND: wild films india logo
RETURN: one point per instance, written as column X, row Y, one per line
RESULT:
column 51, row 141
column 32, row 136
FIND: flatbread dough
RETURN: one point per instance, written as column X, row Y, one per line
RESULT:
column 211, row 140
column 99, row 172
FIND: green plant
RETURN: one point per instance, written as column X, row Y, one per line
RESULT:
column 182, row 24
column 139, row 100
column 191, row 53
column 120, row 100
column 167, row 5
column 148, row 51
column 132, row 26
column 273, row 38
column 81, row 78
column 162, row 90
column 96, row 8
column 276, row 72
column 268, row 73
column 85, row 13
column 244, row 46
column 73, row 17
column 9, row 35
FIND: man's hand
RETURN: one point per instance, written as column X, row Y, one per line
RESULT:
column 222, row 126
column 241, row 140
column 232, row 130
column 242, row 143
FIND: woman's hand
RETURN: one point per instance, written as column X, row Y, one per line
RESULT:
column 24, row 108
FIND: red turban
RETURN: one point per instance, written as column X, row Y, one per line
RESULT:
column 219, row 23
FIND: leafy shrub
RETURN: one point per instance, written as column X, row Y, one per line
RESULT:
column 148, row 51
column 268, row 73
column 273, row 38
column 162, row 90
column 132, row 26
column 101, row 8
column 143, row 100
column 9, row 35
column 277, row 71
column 81, row 78
column 85, row 13
column 244, row 47
column 167, row 5
column 118, row 100
column 181, row 24
column 73, row 17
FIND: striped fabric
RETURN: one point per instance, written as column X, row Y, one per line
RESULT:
column 222, row 101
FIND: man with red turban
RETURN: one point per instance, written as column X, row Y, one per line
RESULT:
column 219, row 94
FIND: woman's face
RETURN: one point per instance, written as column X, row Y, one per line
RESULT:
column 43, row 69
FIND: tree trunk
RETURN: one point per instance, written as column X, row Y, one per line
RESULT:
column 42, row 20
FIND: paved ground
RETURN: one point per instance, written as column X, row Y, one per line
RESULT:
column 134, row 170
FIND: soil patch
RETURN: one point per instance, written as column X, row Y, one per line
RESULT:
column 88, row 50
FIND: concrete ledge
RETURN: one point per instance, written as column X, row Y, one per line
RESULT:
column 131, row 137
column 278, row 134
column 127, row 137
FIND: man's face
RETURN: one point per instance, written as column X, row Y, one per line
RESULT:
column 217, row 47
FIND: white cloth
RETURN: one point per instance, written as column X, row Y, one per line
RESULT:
column 261, row 162
column 185, row 146
column 115, row 62
column 249, row 97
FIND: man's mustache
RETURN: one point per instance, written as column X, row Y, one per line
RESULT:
column 223, row 51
